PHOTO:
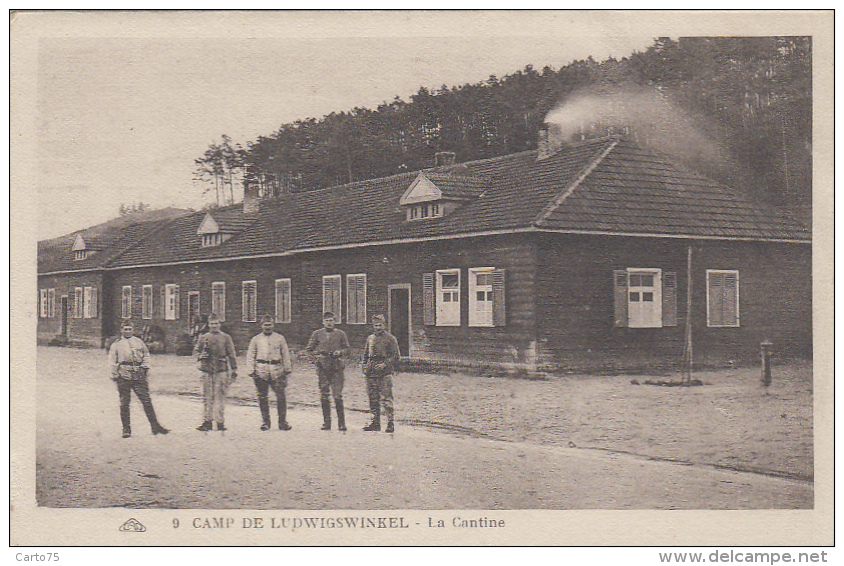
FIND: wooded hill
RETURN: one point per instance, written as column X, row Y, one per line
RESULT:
column 748, row 98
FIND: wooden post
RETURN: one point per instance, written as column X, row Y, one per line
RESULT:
column 766, row 362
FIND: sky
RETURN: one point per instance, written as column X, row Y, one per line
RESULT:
column 121, row 119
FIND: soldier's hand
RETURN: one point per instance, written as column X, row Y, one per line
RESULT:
column 234, row 375
column 253, row 374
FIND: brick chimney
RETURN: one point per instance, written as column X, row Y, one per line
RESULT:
column 251, row 202
column 550, row 141
column 444, row 158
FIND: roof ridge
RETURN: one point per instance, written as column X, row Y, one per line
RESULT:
column 564, row 194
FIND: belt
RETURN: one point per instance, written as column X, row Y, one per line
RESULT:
column 271, row 362
column 134, row 364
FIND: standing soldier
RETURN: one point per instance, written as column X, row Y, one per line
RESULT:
column 268, row 363
column 326, row 348
column 215, row 351
column 129, row 359
column 380, row 357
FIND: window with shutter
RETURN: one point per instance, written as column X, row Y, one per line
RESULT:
column 722, row 298
column 620, row 294
column 146, row 302
column 448, row 297
column 171, row 299
column 356, row 298
column 51, row 303
column 332, row 295
column 126, row 302
column 86, row 305
column 249, row 304
column 95, row 303
column 43, row 310
column 428, row 311
column 218, row 299
column 499, row 303
column 481, row 296
column 282, row 300
column 669, row 299
column 177, row 300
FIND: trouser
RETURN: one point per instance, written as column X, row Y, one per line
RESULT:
column 380, row 391
column 278, row 385
column 331, row 385
column 141, row 387
column 215, row 386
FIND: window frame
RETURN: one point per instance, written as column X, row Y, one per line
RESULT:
column 709, row 273
column 473, row 300
column 218, row 307
column 438, row 298
column 51, row 302
column 338, row 308
column 78, row 302
column 146, row 302
column 42, row 303
column 286, row 302
column 172, row 296
column 657, row 291
column 352, row 296
column 87, row 298
column 251, row 316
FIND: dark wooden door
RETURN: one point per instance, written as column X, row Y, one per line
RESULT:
column 400, row 319
column 64, row 316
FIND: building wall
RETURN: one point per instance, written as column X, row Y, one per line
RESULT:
column 575, row 291
column 79, row 330
column 383, row 265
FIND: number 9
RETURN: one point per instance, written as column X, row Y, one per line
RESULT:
column 175, row 523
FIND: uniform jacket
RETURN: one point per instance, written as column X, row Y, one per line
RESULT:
column 380, row 355
column 215, row 352
column 272, row 348
column 324, row 343
column 127, row 356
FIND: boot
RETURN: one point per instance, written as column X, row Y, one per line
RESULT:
column 375, row 425
column 124, row 420
column 221, row 426
column 341, row 415
column 205, row 426
column 264, row 404
column 282, row 413
column 390, row 427
column 158, row 429
column 326, row 414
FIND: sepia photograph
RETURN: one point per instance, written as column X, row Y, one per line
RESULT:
column 391, row 278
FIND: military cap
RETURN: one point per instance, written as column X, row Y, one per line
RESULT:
column 328, row 314
column 213, row 317
column 379, row 318
column 267, row 318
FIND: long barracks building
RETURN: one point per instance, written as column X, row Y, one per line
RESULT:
column 596, row 254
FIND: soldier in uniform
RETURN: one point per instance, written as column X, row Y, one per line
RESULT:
column 217, row 362
column 129, row 358
column 380, row 358
column 268, row 364
column 326, row 348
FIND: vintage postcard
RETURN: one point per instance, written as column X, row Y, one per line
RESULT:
column 421, row 278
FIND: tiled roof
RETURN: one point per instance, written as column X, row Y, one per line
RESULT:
column 597, row 186
column 458, row 185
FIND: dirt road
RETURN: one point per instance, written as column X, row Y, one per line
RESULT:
column 83, row 462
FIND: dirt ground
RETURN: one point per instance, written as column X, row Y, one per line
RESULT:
column 731, row 421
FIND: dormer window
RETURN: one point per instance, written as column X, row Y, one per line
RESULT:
column 436, row 194
column 79, row 249
column 211, row 240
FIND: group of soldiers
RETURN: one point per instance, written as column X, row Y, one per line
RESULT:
column 269, row 364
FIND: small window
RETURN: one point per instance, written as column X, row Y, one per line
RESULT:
column 249, row 302
column 448, row 297
column 356, row 298
column 171, row 302
column 722, row 298
column 218, row 299
column 79, row 255
column 480, row 296
column 146, row 302
column 126, row 302
column 332, row 295
column 282, row 300
column 78, row 301
column 88, row 307
column 51, row 303
column 43, row 310
column 211, row 240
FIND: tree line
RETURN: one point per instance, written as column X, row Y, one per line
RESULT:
column 752, row 96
